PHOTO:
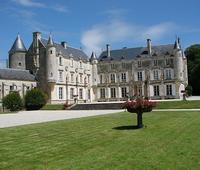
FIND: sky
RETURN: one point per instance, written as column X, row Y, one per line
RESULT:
column 91, row 24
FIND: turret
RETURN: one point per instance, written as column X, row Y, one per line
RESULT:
column 179, row 65
column 36, row 39
column 17, row 54
column 51, row 61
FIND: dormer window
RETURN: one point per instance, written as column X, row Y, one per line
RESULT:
column 72, row 62
column 81, row 64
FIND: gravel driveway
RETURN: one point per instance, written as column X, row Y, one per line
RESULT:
column 30, row 117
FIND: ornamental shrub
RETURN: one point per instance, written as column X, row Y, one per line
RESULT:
column 13, row 102
column 35, row 99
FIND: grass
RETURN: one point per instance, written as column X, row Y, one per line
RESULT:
column 178, row 104
column 53, row 107
column 170, row 141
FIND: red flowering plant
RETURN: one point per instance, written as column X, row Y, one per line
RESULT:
column 139, row 106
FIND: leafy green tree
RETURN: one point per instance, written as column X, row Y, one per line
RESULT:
column 13, row 102
column 35, row 99
column 193, row 57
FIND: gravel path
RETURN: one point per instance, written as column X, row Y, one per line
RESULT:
column 30, row 117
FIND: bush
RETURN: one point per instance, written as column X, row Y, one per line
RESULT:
column 35, row 99
column 13, row 102
column 188, row 90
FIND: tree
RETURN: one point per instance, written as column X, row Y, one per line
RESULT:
column 13, row 102
column 139, row 106
column 35, row 99
column 193, row 58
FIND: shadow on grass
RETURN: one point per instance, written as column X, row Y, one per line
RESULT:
column 130, row 127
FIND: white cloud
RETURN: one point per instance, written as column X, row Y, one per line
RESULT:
column 119, row 31
column 29, row 3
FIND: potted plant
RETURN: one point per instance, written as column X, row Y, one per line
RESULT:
column 139, row 106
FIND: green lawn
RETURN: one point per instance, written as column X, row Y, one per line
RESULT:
column 178, row 104
column 170, row 140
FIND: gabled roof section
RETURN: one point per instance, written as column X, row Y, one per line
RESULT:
column 133, row 53
column 68, row 52
column 18, row 45
column 16, row 74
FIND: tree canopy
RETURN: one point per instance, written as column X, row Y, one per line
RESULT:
column 193, row 58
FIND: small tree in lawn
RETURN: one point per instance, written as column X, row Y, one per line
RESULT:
column 13, row 102
column 35, row 99
column 139, row 106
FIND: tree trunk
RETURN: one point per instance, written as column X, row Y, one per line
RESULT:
column 139, row 120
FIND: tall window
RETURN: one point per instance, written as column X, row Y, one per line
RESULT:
column 72, row 77
column 168, row 74
column 60, row 61
column 102, row 93
column 123, row 77
column 124, row 92
column 71, row 93
column 81, row 78
column 60, row 93
column 113, row 93
column 155, row 74
column 80, row 93
column 60, row 75
column 88, row 78
column 139, row 63
column 140, row 91
column 156, row 90
column 89, row 94
column 139, row 76
column 101, row 79
column 155, row 62
column 112, row 78
column 169, row 89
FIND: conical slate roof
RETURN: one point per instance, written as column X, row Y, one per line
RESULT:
column 50, row 40
column 93, row 56
column 18, row 45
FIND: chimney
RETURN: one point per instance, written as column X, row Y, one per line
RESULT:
column 64, row 44
column 108, row 50
column 149, row 46
column 36, row 35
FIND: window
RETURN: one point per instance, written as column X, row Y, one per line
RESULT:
column 155, row 62
column 139, row 76
column 156, row 90
column 71, row 93
column 167, row 61
column 89, row 94
column 124, row 92
column 139, row 63
column 60, row 93
column 80, row 93
column 88, row 79
column 168, row 74
column 60, row 61
column 101, row 79
column 51, row 52
column 20, row 64
column 113, row 93
column 72, row 77
column 112, row 66
column 140, row 91
column 123, row 77
column 102, row 93
column 169, row 90
column 112, row 78
column 124, row 65
column 81, row 78
column 155, row 75
column 11, row 88
column 60, row 75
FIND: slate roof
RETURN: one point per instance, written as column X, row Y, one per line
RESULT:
column 132, row 53
column 69, row 51
column 18, row 45
column 16, row 74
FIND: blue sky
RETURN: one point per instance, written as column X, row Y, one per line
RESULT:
column 90, row 24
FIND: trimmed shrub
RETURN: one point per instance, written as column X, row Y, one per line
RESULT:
column 13, row 102
column 35, row 99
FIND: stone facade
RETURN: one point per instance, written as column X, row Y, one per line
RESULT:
column 67, row 74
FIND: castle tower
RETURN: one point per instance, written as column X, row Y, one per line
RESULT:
column 51, row 61
column 17, row 54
